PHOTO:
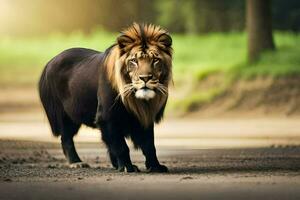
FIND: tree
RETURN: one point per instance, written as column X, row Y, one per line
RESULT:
column 259, row 27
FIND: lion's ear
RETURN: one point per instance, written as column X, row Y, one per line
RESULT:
column 165, row 40
column 123, row 41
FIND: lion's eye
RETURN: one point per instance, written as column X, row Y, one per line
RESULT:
column 133, row 61
column 132, row 65
column 156, row 60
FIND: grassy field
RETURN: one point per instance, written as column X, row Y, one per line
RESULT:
column 22, row 59
column 195, row 57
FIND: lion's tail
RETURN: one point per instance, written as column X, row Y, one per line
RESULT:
column 51, row 103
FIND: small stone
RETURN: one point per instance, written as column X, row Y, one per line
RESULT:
column 7, row 180
column 51, row 166
column 78, row 165
column 186, row 178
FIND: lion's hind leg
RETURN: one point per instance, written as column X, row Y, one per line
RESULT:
column 69, row 130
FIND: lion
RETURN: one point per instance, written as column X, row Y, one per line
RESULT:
column 122, row 91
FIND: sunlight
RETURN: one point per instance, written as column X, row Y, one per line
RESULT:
column 6, row 11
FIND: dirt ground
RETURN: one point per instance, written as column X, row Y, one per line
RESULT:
column 37, row 170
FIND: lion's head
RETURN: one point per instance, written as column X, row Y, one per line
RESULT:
column 139, row 67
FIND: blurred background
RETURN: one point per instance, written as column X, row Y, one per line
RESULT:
column 236, row 64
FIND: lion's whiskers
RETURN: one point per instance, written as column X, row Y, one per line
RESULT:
column 161, row 91
column 162, row 88
column 128, row 88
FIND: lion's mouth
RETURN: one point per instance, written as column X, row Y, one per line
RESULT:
column 145, row 93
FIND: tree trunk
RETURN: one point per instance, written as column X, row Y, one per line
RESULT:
column 259, row 27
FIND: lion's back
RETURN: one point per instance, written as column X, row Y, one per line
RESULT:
column 73, row 75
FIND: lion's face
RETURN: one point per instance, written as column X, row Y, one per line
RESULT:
column 144, row 72
column 140, row 68
column 145, row 54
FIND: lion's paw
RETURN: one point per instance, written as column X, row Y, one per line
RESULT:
column 158, row 169
column 79, row 165
column 133, row 168
column 129, row 169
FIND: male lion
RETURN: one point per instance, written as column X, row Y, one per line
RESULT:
column 122, row 91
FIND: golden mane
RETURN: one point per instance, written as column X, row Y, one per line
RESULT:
column 149, row 39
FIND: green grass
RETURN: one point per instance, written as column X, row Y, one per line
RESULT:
column 203, row 54
column 22, row 59
column 285, row 61
column 195, row 58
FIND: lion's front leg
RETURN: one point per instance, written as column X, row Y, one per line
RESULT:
column 118, row 149
column 146, row 142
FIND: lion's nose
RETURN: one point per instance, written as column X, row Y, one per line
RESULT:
column 146, row 77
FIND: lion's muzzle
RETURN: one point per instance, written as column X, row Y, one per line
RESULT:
column 145, row 93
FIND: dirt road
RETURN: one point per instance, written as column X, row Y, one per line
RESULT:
column 177, row 133
column 37, row 170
